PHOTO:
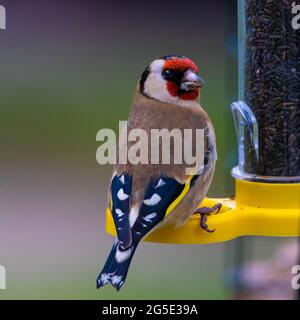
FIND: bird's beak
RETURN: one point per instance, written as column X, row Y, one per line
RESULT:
column 191, row 81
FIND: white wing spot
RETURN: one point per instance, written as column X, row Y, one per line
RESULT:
column 119, row 212
column 160, row 183
column 122, row 195
column 150, row 216
column 122, row 179
column 155, row 199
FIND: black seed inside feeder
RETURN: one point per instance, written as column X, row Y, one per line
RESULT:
column 267, row 118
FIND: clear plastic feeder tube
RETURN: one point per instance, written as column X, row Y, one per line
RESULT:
column 267, row 117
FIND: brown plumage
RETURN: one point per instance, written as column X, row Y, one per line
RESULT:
column 148, row 114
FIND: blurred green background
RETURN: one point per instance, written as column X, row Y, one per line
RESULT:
column 68, row 69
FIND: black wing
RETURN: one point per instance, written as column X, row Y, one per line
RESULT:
column 121, row 187
column 159, row 195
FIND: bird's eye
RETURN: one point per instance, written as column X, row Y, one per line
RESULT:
column 166, row 72
column 172, row 75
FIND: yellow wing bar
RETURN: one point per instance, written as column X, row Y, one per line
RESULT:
column 175, row 203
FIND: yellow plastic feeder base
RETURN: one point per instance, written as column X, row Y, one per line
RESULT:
column 260, row 209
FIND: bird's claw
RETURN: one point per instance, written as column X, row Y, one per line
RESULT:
column 204, row 213
column 203, row 223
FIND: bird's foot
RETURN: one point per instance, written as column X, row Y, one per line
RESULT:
column 204, row 213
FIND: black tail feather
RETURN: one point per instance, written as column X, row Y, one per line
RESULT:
column 116, row 267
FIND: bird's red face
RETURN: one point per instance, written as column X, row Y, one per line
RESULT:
column 172, row 79
column 180, row 71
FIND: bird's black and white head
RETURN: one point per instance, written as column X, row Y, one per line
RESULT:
column 172, row 79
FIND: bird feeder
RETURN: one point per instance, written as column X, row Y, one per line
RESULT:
column 267, row 123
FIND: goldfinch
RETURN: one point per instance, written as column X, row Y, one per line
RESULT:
column 143, row 197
